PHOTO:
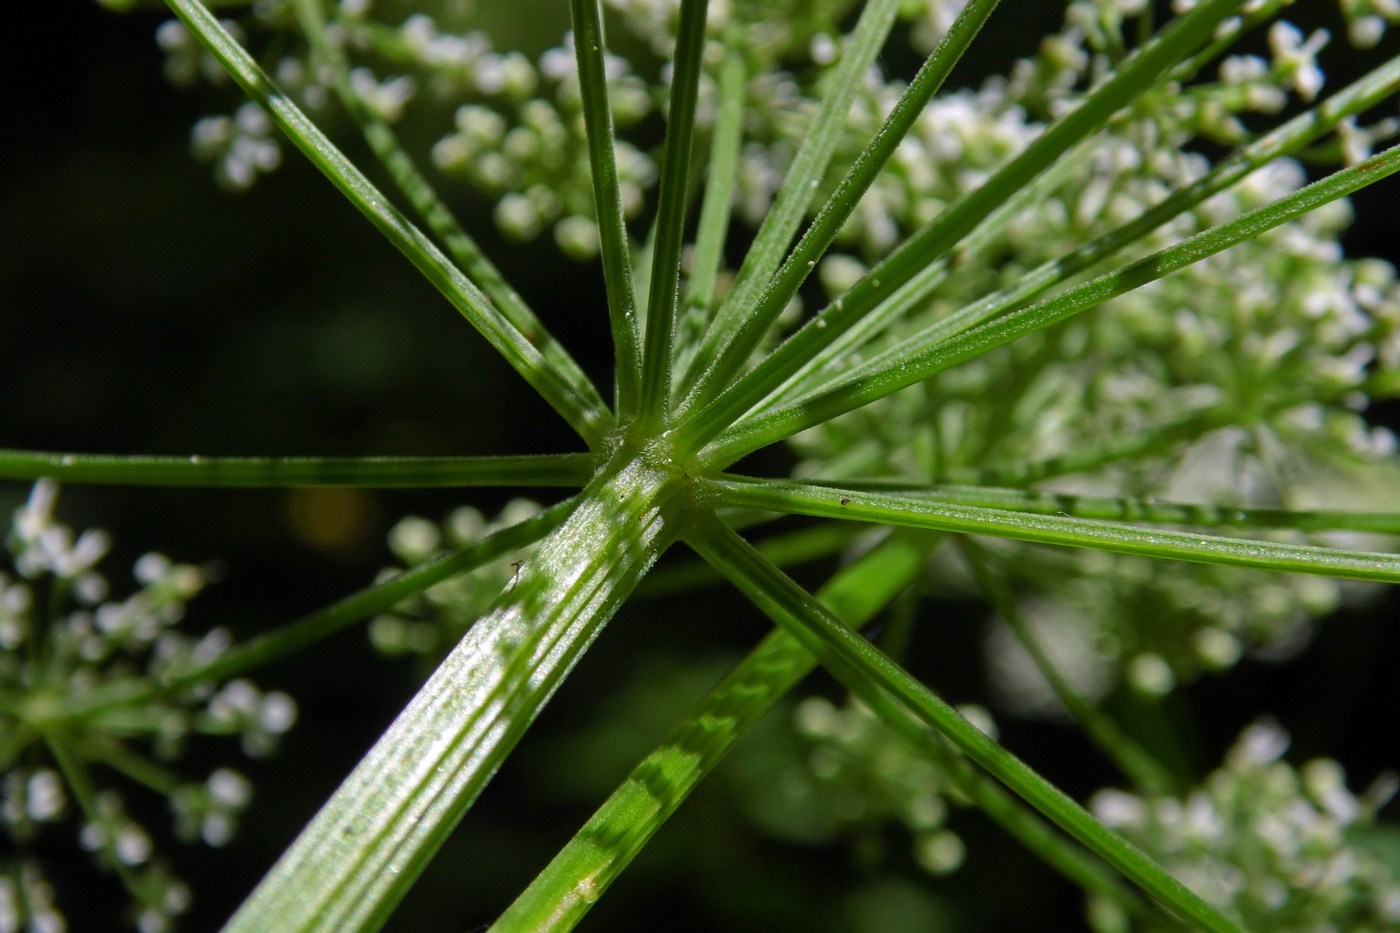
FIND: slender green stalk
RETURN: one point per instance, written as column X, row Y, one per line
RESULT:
column 1290, row 138
column 1139, row 73
column 359, row 855
column 857, row 663
column 712, row 230
column 435, row 213
column 908, row 364
column 589, row 419
column 664, row 294
column 568, row 470
column 17, row 735
column 1120, row 538
column 1126, row 752
column 738, row 329
column 590, row 51
column 612, row 837
column 1141, row 509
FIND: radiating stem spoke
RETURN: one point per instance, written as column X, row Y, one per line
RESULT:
column 569, row 470
column 662, row 298
column 590, row 50
column 1121, row 538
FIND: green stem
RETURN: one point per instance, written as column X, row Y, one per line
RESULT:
column 979, row 247
column 712, row 229
column 568, row 470
column 857, row 663
column 359, row 855
column 118, row 757
column 1138, row 509
column 75, row 773
column 1120, row 538
column 798, row 547
column 589, row 419
column 1039, row 837
column 670, row 215
column 589, row 49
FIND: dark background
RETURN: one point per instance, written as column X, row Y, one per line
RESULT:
column 144, row 310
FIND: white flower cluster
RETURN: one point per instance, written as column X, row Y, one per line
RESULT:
column 429, row 624
column 531, row 154
column 240, row 147
column 60, row 645
column 1291, row 850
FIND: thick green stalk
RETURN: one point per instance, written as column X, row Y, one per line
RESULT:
column 1121, row 538
column 1136, row 75
column 738, row 328
column 612, row 837
column 569, row 470
column 907, row 364
column 590, row 50
column 664, row 294
column 360, row 854
column 586, row 416
column 859, row 664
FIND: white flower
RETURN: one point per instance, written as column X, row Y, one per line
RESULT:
column 1295, row 58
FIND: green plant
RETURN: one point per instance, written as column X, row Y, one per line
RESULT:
column 957, row 387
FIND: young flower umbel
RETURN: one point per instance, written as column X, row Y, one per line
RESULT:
column 90, row 713
column 1281, row 848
